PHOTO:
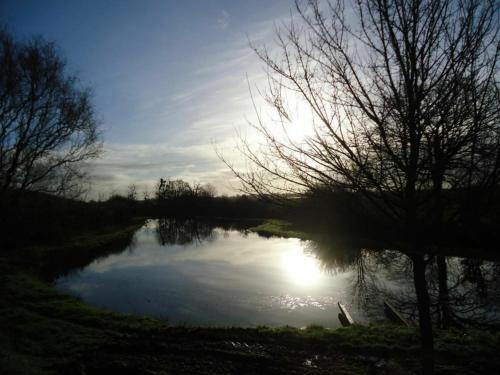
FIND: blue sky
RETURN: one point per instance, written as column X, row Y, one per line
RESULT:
column 169, row 78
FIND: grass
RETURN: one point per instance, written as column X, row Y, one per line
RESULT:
column 279, row 228
column 43, row 331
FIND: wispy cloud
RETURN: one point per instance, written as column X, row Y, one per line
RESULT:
column 144, row 164
column 224, row 20
column 207, row 109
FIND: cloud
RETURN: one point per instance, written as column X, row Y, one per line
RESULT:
column 223, row 20
column 209, row 107
column 144, row 164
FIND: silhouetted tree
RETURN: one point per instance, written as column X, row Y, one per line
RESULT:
column 47, row 123
column 404, row 103
column 209, row 190
column 132, row 192
column 146, row 195
column 168, row 189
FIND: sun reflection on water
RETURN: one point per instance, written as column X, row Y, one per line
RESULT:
column 301, row 269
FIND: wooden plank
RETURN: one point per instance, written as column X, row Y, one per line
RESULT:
column 343, row 320
column 394, row 315
column 344, row 316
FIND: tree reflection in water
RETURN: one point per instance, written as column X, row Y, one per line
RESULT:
column 185, row 231
column 469, row 295
column 471, row 287
column 175, row 231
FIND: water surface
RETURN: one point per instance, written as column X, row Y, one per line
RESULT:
column 195, row 273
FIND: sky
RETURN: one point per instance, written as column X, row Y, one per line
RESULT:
column 170, row 79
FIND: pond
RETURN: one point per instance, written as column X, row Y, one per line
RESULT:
column 200, row 273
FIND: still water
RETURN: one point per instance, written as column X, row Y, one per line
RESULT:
column 203, row 274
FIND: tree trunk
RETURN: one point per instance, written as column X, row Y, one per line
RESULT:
column 425, row 323
column 444, row 297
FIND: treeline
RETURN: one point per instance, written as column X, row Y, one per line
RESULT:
column 470, row 222
column 32, row 217
column 35, row 217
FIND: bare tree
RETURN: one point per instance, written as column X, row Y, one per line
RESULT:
column 146, row 194
column 168, row 189
column 132, row 192
column 208, row 190
column 404, row 104
column 47, row 123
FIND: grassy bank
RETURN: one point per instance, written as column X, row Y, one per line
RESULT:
column 43, row 331
column 280, row 228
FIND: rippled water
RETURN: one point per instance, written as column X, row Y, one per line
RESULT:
column 198, row 274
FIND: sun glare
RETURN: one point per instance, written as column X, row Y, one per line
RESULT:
column 300, row 125
column 301, row 269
